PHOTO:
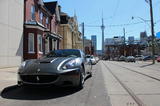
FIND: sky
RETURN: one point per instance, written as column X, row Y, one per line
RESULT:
column 117, row 15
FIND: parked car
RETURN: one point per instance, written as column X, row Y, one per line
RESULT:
column 139, row 57
column 147, row 58
column 158, row 59
column 115, row 59
column 66, row 67
column 130, row 59
column 93, row 60
column 122, row 58
column 97, row 59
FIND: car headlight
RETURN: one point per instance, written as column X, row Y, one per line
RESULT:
column 71, row 64
column 22, row 65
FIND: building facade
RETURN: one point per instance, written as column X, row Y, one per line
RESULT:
column 143, row 38
column 116, row 47
column 94, row 43
column 87, row 46
column 41, row 22
column 70, row 33
column 11, row 27
column 76, row 34
column 131, row 40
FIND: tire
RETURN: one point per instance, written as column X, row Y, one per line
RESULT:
column 82, row 78
column 90, row 74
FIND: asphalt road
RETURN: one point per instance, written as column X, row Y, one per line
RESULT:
column 94, row 93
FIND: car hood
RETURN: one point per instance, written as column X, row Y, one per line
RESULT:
column 45, row 65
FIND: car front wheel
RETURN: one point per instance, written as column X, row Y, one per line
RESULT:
column 82, row 78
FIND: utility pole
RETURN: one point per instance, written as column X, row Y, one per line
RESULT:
column 102, row 27
column 83, row 36
column 152, row 31
column 124, row 51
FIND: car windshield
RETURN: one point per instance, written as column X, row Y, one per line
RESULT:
column 64, row 53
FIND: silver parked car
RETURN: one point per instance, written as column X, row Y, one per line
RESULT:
column 130, row 59
column 60, row 67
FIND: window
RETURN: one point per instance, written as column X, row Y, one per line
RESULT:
column 31, row 43
column 47, row 21
column 53, row 45
column 33, row 12
column 41, row 17
column 55, row 42
column 47, row 45
column 40, row 43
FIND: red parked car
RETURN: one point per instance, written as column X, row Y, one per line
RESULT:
column 158, row 59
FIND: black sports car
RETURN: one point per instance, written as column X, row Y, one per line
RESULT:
column 60, row 67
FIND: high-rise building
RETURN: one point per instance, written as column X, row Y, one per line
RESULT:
column 94, row 42
column 143, row 38
column 131, row 39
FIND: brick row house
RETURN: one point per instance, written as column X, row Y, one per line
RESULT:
column 41, row 23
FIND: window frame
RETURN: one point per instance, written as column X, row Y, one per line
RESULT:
column 40, row 46
column 29, row 45
column 47, row 21
column 33, row 12
column 41, row 17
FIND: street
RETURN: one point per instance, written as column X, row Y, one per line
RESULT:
column 112, row 84
column 93, row 94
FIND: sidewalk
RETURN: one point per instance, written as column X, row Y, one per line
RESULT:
column 8, row 77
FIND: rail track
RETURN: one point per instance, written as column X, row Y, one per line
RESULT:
column 145, row 65
column 130, row 92
column 138, row 72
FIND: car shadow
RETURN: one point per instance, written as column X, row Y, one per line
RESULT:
column 146, row 65
column 36, row 93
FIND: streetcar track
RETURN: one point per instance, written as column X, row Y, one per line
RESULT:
column 145, row 67
column 138, row 72
column 130, row 92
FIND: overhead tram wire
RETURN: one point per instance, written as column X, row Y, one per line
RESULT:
column 116, row 25
column 115, row 10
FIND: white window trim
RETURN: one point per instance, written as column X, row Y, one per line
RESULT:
column 31, row 52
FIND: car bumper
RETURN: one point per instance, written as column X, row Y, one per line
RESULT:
column 69, row 78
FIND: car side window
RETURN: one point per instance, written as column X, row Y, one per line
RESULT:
column 83, row 55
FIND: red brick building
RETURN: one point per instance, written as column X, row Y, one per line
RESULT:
column 41, row 21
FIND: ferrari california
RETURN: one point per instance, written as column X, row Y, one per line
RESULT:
column 67, row 67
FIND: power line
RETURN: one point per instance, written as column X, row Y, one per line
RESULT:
column 92, row 26
column 123, row 25
column 115, row 11
column 116, row 25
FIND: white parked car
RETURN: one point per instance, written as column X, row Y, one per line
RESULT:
column 93, row 60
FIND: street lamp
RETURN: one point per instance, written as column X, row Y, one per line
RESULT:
column 152, row 30
column 145, row 21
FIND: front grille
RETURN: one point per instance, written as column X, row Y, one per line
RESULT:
column 39, row 78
